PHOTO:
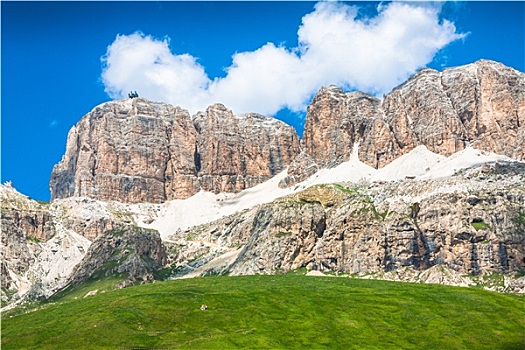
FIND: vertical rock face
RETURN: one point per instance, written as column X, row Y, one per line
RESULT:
column 140, row 151
column 480, row 104
column 489, row 99
column 336, row 121
column 420, row 113
column 238, row 152
column 118, row 151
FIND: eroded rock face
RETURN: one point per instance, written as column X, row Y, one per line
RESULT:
column 24, row 224
column 123, row 151
column 481, row 104
column 141, row 151
column 238, row 152
column 128, row 251
column 89, row 217
column 420, row 113
column 489, row 99
column 21, row 212
column 472, row 223
column 336, row 121
column 42, row 242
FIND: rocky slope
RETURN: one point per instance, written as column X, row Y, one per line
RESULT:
column 131, row 252
column 472, row 223
column 141, row 151
column 42, row 242
column 480, row 105
column 37, row 254
column 405, row 229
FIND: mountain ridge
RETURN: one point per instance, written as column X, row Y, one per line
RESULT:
column 481, row 105
column 141, row 151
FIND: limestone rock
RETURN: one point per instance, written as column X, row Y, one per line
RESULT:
column 89, row 217
column 42, row 242
column 141, row 151
column 387, row 227
column 489, row 99
column 128, row 250
column 301, row 168
column 420, row 113
column 37, row 252
column 21, row 212
column 239, row 152
column 480, row 105
column 516, row 286
column 336, row 121
column 131, row 151
column 24, row 223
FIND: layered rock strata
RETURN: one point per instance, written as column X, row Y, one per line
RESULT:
column 141, row 151
column 480, row 105
column 472, row 223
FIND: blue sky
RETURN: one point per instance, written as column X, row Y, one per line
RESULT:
column 53, row 73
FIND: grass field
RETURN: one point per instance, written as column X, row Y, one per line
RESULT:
column 282, row 311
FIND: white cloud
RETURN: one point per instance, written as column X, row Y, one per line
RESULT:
column 336, row 46
column 139, row 62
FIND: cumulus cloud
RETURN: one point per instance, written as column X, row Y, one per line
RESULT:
column 336, row 46
column 140, row 62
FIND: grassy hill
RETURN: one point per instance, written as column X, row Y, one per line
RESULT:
column 283, row 311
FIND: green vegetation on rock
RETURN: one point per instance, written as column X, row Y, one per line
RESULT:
column 33, row 239
column 283, row 234
column 480, row 225
column 520, row 221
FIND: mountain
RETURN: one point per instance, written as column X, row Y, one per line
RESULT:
column 481, row 105
column 423, row 185
column 141, row 151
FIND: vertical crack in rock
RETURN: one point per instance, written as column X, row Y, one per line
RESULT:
column 421, row 259
column 197, row 159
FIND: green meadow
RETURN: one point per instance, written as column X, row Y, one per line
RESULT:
column 273, row 312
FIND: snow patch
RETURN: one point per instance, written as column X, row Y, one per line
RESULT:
column 205, row 207
column 418, row 162
column 467, row 158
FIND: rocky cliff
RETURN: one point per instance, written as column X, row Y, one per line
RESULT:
column 238, row 152
column 480, row 105
column 141, row 151
column 25, row 223
column 472, row 223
